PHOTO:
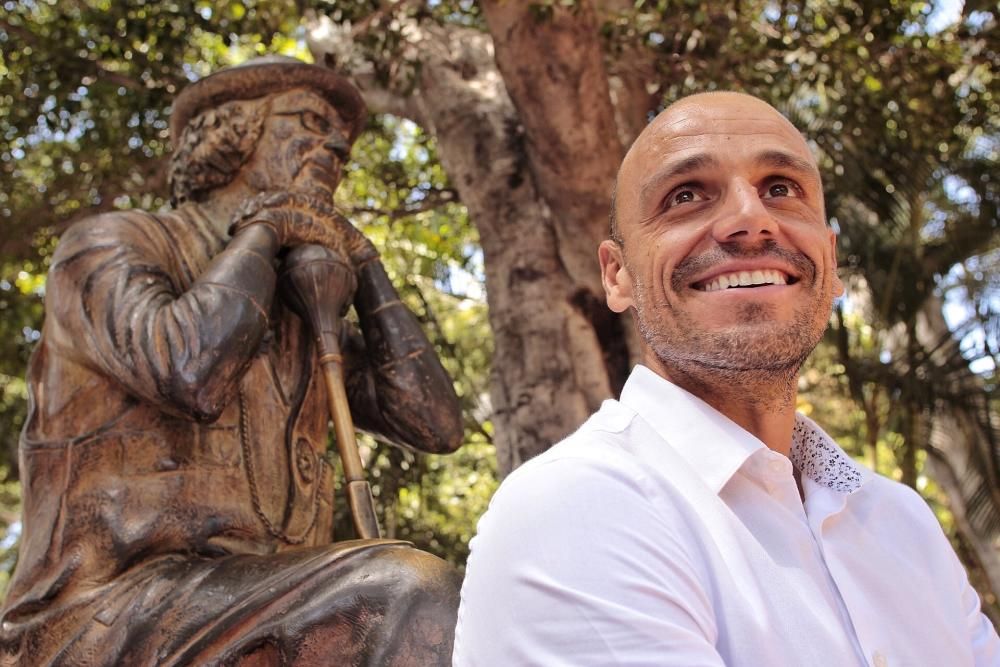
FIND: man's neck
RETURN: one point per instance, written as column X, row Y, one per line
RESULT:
column 221, row 204
column 762, row 406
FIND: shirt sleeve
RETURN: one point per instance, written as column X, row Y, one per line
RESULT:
column 982, row 634
column 985, row 643
column 115, row 304
column 574, row 564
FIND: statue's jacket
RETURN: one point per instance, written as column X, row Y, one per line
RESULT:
column 133, row 447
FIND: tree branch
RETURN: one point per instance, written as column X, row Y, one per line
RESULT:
column 434, row 199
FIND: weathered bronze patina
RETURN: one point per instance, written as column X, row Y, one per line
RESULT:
column 178, row 506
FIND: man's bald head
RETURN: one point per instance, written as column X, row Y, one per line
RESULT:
column 679, row 117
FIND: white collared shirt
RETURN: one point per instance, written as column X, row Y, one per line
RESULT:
column 661, row 533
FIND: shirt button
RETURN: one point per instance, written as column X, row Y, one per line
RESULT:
column 879, row 659
column 777, row 466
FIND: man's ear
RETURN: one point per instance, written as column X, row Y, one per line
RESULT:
column 614, row 276
column 838, row 285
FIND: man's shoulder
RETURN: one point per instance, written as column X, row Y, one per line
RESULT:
column 601, row 440
column 595, row 459
column 877, row 491
column 123, row 219
column 109, row 229
column 901, row 500
column 170, row 239
column 585, row 486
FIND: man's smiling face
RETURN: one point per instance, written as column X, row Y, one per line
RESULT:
column 726, row 255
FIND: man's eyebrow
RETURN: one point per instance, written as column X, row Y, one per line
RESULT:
column 674, row 170
column 782, row 160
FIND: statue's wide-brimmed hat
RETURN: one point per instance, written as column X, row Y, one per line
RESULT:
column 262, row 76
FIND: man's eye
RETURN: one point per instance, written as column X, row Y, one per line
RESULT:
column 310, row 120
column 684, row 195
column 313, row 122
column 781, row 188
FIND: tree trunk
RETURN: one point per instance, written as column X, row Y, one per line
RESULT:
column 559, row 351
column 564, row 104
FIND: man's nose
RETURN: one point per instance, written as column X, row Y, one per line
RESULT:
column 337, row 145
column 744, row 217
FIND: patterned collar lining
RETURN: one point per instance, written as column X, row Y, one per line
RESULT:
column 817, row 456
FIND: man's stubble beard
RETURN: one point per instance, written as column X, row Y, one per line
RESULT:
column 755, row 361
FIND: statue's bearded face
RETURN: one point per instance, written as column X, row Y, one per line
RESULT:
column 302, row 148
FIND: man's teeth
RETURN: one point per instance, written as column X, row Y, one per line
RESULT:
column 745, row 279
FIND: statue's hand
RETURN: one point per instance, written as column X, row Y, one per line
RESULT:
column 300, row 219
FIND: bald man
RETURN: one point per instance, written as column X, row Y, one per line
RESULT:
column 699, row 520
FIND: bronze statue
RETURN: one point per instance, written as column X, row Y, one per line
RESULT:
column 178, row 507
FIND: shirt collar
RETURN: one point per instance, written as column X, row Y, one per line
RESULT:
column 713, row 445
column 821, row 459
column 716, row 447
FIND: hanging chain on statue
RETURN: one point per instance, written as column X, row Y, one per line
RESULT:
column 275, row 531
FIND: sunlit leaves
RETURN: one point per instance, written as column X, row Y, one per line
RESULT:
column 903, row 113
column 85, row 97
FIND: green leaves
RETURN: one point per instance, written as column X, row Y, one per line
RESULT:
column 903, row 112
column 85, row 98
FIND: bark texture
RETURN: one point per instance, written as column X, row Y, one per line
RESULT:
column 564, row 103
column 558, row 351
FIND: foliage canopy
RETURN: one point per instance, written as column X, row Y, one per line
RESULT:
column 902, row 105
